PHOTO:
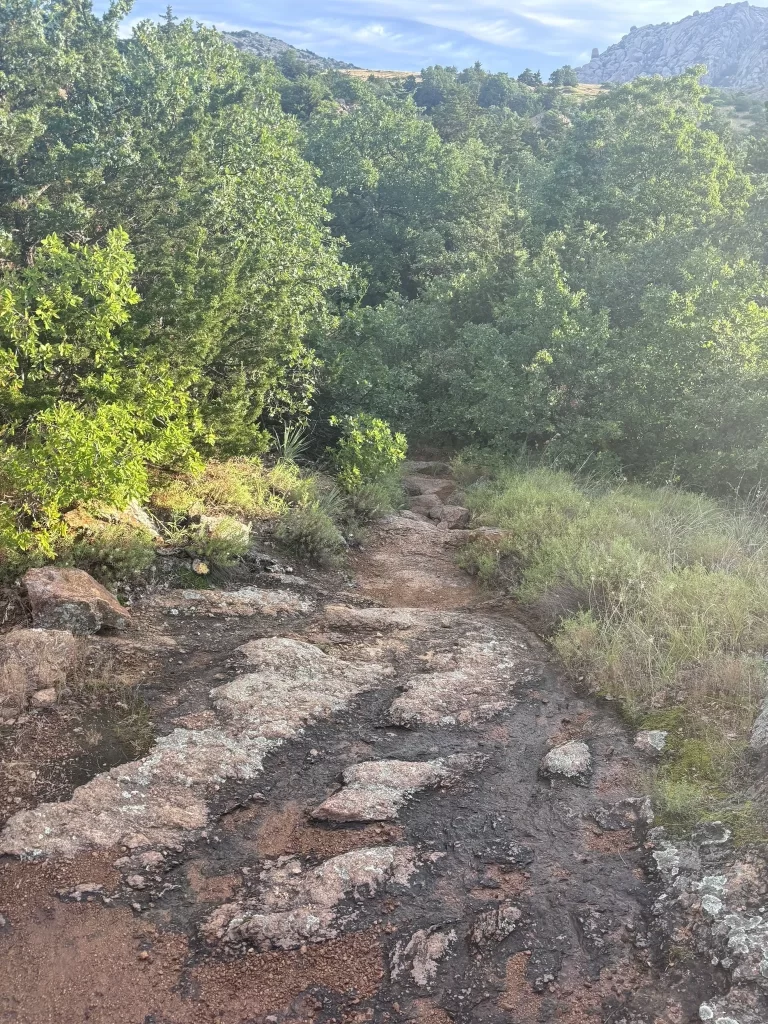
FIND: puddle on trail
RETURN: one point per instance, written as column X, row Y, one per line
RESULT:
column 48, row 757
column 106, row 738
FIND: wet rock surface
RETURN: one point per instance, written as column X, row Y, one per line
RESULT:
column 570, row 761
column 297, row 906
column 165, row 795
column 193, row 885
column 289, row 684
column 376, row 790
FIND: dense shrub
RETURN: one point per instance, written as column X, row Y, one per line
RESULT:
column 366, row 451
column 310, row 531
column 626, row 290
column 82, row 413
column 377, row 498
column 219, row 541
column 243, row 487
column 111, row 552
column 117, row 355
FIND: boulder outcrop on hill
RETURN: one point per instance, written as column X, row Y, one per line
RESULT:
column 732, row 41
column 271, row 49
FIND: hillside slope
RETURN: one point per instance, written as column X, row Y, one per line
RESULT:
column 732, row 41
column 267, row 46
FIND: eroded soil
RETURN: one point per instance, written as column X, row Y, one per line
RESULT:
column 487, row 895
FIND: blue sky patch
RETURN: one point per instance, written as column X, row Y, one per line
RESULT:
column 406, row 35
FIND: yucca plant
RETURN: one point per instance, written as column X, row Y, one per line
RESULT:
column 291, row 444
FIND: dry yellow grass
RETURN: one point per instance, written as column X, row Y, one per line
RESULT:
column 587, row 89
column 364, row 73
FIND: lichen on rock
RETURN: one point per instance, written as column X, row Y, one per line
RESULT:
column 571, row 761
column 299, row 905
column 291, row 684
column 466, row 687
column 71, row 600
column 376, row 790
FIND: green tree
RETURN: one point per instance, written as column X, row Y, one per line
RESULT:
column 528, row 77
column 436, row 85
column 179, row 139
column 412, row 208
column 644, row 159
column 564, row 76
column 503, row 91
column 82, row 412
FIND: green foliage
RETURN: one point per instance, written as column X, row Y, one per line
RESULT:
column 670, row 586
column 564, row 77
column 377, row 498
column 219, row 542
column 197, row 246
column 528, row 77
column 177, row 137
column 82, row 413
column 502, row 91
column 111, row 552
column 292, row 444
column 309, row 530
column 700, row 783
column 117, row 354
column 240, row 487
column 206, row 512
column 412, row 207
column 626, row 290
column 366, row 451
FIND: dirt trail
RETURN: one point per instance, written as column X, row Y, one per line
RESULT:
column 451, row 881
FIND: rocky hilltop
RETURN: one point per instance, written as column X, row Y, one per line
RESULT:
column 732, row 41
column 270, row 48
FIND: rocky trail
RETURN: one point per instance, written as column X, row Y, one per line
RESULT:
column 372, row 798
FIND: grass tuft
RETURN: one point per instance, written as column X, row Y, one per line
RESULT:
column 656, row 597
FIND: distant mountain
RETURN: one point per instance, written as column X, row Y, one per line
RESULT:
column 732, row 41
column 270, row 48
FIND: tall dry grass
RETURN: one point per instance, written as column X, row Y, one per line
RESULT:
column 656, row 597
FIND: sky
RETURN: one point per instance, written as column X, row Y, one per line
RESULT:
column 406, row 35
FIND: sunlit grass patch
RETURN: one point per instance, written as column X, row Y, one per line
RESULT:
column 243, row 487
column 655, row 597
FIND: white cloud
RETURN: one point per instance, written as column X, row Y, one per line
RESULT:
column 603, row 19
column 412, row 33
column 126, row 27
column 324, row 31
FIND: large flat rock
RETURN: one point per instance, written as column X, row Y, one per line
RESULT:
column 376, row 790
column 232, row 603
column 464, row 688
column 291, row 684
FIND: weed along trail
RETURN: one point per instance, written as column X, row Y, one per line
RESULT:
column 368, row 801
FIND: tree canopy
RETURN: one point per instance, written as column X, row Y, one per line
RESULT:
column 196, row 244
